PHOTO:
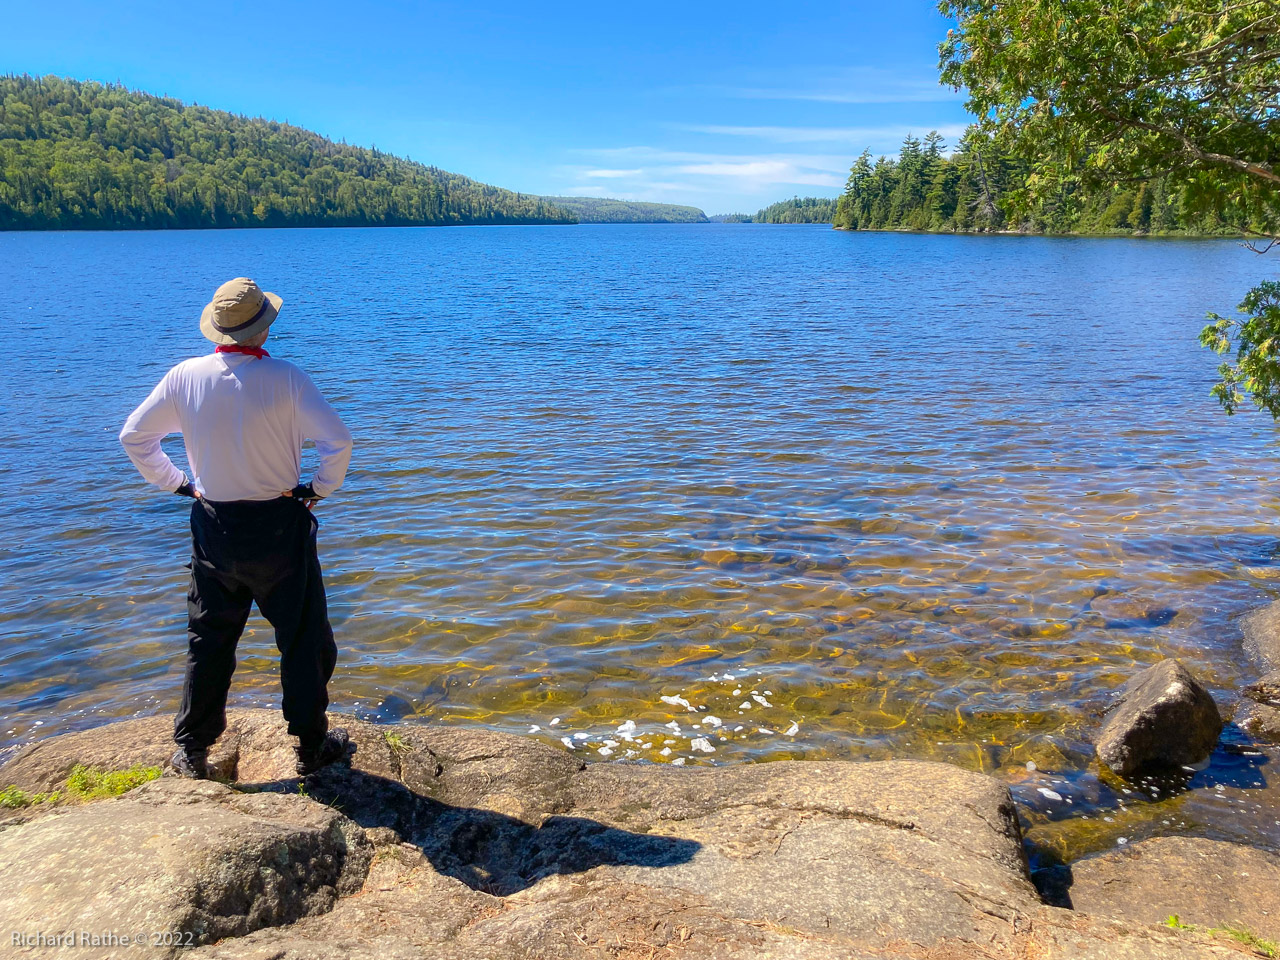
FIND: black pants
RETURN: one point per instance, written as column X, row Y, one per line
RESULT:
column 241, row 552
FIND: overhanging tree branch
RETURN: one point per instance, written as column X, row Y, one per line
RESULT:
column 1244, row 166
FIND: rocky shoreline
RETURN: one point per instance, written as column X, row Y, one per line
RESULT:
column 446, row 843
column 443, row 843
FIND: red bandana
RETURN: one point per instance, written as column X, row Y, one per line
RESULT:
column 236, row 348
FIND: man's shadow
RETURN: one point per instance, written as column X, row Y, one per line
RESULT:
column 487, row 851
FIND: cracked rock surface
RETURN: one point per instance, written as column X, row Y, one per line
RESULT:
column 446, row 843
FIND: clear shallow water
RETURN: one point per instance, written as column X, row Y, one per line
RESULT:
column 926, row 496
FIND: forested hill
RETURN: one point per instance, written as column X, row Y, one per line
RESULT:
column 979, row 188
column 795, row 210
column 799, row 210
column 600, row 210
column 85, row 155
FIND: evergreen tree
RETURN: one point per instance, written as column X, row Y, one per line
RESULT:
column 799, row 210
column 981, row 187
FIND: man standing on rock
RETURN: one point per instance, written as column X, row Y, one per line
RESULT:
column 243, row 416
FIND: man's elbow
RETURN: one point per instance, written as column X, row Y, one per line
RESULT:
column 341, row 445
column 133, row 437
column 135, row 445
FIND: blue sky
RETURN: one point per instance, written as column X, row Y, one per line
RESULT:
column 726, row 106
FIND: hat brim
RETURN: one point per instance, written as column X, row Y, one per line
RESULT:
column 211, row 332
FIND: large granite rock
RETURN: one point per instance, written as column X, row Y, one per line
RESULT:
column 1261, row 629
column 177, row 856
column 505, row 848
column 1210, row 883
column 1259, row 714
column 1162, row 719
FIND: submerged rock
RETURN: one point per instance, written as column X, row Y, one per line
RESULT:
column 1261, row 629
column 391, row 709
column 1209, row 883
column 1261, row 720
column 1163, row 718
column 1265, row 690
column 487, row 845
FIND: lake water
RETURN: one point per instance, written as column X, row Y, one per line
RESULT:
column 857, row 495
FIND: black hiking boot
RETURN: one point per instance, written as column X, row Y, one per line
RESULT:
column 312, row 757
column 192, row 764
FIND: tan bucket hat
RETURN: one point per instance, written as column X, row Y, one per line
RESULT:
column 239, row 310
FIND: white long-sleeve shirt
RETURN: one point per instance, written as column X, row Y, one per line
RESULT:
column 243, row 420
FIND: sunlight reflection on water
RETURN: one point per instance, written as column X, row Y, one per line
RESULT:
column 922, row 496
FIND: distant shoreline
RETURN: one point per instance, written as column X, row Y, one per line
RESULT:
column 1126, row 235
column 621, row 223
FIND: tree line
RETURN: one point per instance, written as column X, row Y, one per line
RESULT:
column 799, row 210
column 981, row 187
column 76, row 155
column 605, row 210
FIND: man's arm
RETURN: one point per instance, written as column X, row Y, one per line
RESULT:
column 320, row 422
column 154, row 419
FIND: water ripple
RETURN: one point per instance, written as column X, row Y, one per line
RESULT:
column 926, row 496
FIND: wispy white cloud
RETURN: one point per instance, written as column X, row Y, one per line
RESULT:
column 646, row 157
column 923, row 94
column 762, row 142
column 652, row 190
column 763, row 172
column 865, row 85
column 860, row 136
column 703, row 178
column 656, row 173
